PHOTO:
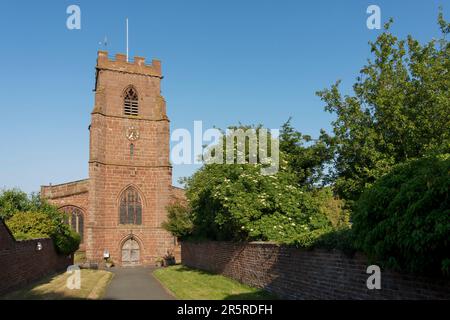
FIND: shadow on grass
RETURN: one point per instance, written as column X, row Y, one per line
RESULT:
column 26, row 292
column 54, row 287
column 49, row 296
column 258, row 294
column 182, row 268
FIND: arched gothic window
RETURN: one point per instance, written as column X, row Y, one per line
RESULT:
column 130, row 207
column 130, row 102
column 74, row 218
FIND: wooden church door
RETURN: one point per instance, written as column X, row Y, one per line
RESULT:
column 130, row 253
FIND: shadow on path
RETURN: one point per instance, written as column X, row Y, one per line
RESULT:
column 135, row 283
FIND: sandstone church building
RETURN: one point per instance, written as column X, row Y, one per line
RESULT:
column 120, row 208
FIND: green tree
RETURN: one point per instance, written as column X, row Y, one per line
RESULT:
column 400, row 110
column 33, row 217
column 403, row 220
column 333, row 208
column 179, row 221
column 238, row 202
column 13, row 201
column 306, row 157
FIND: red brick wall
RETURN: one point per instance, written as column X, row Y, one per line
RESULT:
column 6, row 238
column 306, row 274
column 21, row 263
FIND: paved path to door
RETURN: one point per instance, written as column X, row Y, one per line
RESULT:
column 135, row 283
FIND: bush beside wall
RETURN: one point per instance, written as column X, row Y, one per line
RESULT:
column 21, row 263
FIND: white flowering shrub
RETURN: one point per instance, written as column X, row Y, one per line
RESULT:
column 237, row 202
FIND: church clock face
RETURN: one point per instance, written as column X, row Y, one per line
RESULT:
column 132, row 134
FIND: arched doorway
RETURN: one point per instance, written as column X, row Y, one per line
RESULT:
column 131, row 253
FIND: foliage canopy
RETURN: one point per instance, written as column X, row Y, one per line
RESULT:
column 403, row 220
column 400, row 110
column 31, row 218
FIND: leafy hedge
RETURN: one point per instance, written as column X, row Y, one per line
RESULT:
column 31, row 218
column 66, row 240
column 33, row 225
column 403, row 220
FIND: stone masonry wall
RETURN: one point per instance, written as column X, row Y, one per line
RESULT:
column 117, row 163
column 69, row 194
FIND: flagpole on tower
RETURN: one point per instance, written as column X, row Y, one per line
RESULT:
column 127, row 39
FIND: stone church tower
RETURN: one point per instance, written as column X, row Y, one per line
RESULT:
column 120, row 208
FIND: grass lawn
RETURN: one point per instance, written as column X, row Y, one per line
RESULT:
column 79, row 257
column 93, row 285
column 192, row 284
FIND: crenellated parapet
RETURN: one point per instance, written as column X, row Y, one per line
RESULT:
column 120, row 63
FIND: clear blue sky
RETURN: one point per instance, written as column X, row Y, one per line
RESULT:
column 224, row 62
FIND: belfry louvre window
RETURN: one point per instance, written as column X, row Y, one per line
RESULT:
column 74, row 218
column 130, row 207
column 130, row 102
